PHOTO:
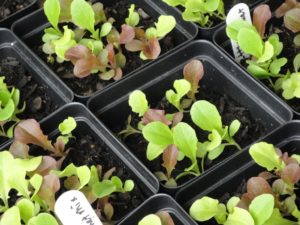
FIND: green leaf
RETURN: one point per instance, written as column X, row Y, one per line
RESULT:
column 261, row 208
column 215, row 140
column 175, row 2
column 297, row 40
column 103, row 188
column 83, row 15
column 133, row 18
column 250, row 42
column 26, row 208
column 277, row 218
column 234, row 127
column 128, row 185
column 150, row 219
column 182, row 87
column 186, row 140
column 276, row 65
column 64, row 43
column 153, row 151
column 158, row 133
column 138, row 102
column 216, row 152
column 232, row 202
column 206, row 116
column 256, row 71
column 204, row 209
column 36, row 182
column 67, row 126
column 268, row 53
column 296, row 62
column 240, row 217
column 52, row 11
column 105, row 29
column 264, row 154
column 117, row 182
column 43, row 219
column 233, row 28
column 83, row 173
column 11, row 217
column 8, row 110
column 291, row 86
column 277, row 45
column 165, row 25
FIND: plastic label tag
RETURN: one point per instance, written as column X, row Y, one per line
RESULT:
column 72, row 208
column 239, row 11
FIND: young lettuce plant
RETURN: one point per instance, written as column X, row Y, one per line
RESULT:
column 159, row 218
column 96, row 186
column 9, row 102
column 201, row 12
column 270, row 197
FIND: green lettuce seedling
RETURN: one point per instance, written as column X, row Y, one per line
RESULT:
column 94, row 185
column 201, row 12
column 159, row 218
column 9, row 102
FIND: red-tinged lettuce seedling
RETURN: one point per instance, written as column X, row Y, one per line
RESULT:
column 201, row 11
column 95, row 45
column 9, row 103
column 159, row 218
column 96, row 186
column 174, row 140
column 270, row 197
column 290, row 10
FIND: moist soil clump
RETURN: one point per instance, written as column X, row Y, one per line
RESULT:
column 38, row 103
column 88, row 85
column 251, row 129
column 9, row 7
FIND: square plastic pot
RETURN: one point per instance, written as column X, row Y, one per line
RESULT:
column 30, row 30
column 221, row 75
column 11, row 46
column 8, row 21
column 227, row 178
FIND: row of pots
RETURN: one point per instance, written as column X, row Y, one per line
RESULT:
column 110, row 106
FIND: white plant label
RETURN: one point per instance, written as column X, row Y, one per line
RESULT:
column 72, row 208
column 239, row 11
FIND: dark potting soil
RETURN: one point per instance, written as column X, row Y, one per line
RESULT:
column 86, row 150
column 251, row 129
column 38, row 103
column 88, row 85
column 8, row 7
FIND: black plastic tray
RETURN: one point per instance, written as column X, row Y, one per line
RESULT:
column 222, row 75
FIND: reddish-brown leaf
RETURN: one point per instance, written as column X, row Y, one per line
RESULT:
column 29, row 132
column 165, row 218
column 177, row 118
column 261, row 15
column 155, row 115
column 291, row 173
column 257, row 186
column 77, row 52
column 245, row 201
column 193, row 72
column 286, row 6
column 48, row 164
column 288, row 160
column 48, row 189
column 266, row 175
column 111, row 54
column 292, row 20
column 118, row 74
column 170, row 158
column 152, row 49
column 135, row 46
column 109, row 173
column 83, row 67
column 140, row 33
column 127, row 35
column 19, row 150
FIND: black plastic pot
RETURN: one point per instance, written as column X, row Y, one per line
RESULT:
column 207, row 33
column 11, row 46
column 222, row 76
column 30, row 30
column 222, row 41
column 226, row 178
column 8, row 21
column 160, row 202
column 87, row 123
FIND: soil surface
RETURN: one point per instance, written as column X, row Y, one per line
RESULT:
column 88, row 85
column 8, row 7
column 251, row 129
column 86, row 150
column 38, row 103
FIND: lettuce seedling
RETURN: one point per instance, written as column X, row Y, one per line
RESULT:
column 9, row 102
column 201, row 11
column 290, row 10
column 29, row 132
column 159, row 218
column 206, row 116
column 95, row 185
